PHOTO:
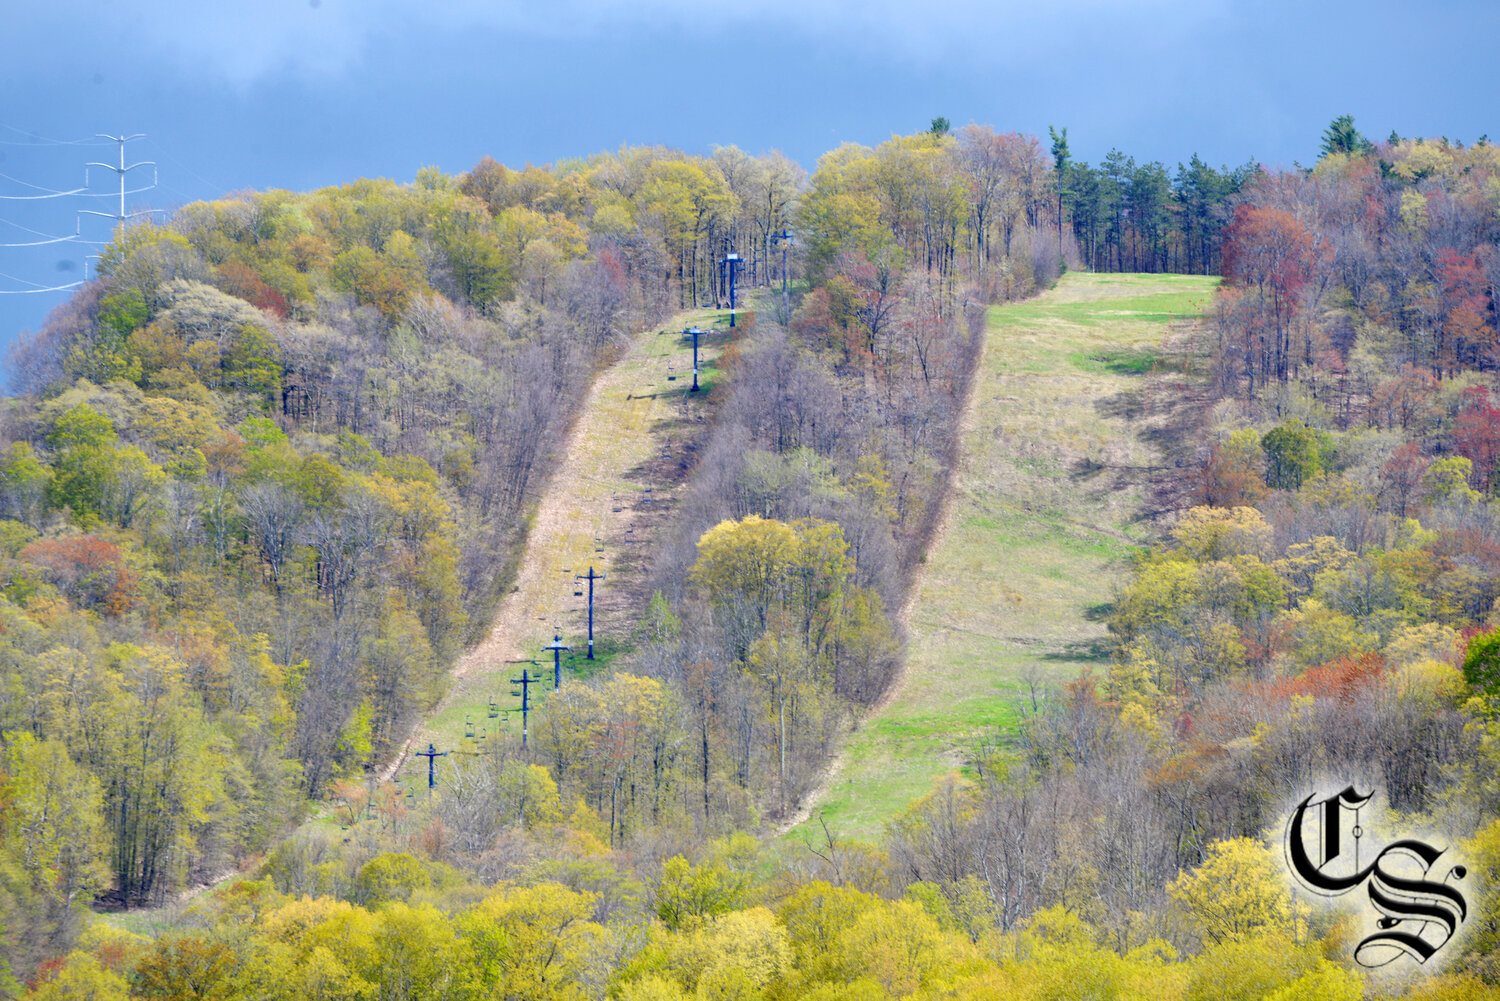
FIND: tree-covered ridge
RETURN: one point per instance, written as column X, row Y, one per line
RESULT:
column 269, row 466
column 404, row 928
column 847, row 923
column 272, row 463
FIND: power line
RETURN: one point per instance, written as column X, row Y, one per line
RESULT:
column 120, row 216
column 35, row 287
column 23, row 281
column 42, row 243
column 112, row 194
column 39, row 140
column 28, row 184
column 45, row 238
column 218, row 189
column 38, row 198
column 35, row 291
column 28, row 229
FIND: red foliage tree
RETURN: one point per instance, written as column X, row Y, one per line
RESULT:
column 1407, row 401
column 90, row 571
column 1342, row 679
column 1466, row 336
column 1228, row 479
column 1270, row 254
column 242, row 281
column 864, row 295
column 1476, row 434
column 1401, row 478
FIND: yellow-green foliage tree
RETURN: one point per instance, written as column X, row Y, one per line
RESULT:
column 616, row 743
column 796, row 621
column 1237, row 893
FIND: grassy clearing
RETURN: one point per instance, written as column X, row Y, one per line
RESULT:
column 1042, row 519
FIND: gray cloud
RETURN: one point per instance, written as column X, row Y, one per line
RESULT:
column 242, row 43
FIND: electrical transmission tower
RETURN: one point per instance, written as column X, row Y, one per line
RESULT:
column 121, row 169
column 120, row 216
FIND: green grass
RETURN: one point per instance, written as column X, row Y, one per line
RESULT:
column 1041, row 524
column 151, row 922
column 1116, row 362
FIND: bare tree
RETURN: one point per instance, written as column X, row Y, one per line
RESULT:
column 274, row 515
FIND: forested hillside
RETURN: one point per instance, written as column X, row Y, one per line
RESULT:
column 1323, row 608
column 268, row 475
column 268, row 469
column 267, row 478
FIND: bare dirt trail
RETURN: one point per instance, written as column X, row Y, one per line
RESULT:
column 617, row 475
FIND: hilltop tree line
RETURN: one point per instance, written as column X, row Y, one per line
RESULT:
column 1126, row 216
column 1007, row 214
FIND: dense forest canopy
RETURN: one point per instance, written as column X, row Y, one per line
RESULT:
column 267, row 475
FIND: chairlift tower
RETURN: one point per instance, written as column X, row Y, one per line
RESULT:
column 784, row 238
column 732, row 262
column 695, row 333
column 591, row 576
column 431, row 754
column 525, row 681
column 557, row 646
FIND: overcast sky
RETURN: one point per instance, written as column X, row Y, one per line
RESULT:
column 302, row 93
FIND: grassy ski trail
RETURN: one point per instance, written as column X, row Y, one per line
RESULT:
column 1045, row 506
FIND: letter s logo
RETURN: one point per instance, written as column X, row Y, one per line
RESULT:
column 1419, row 915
